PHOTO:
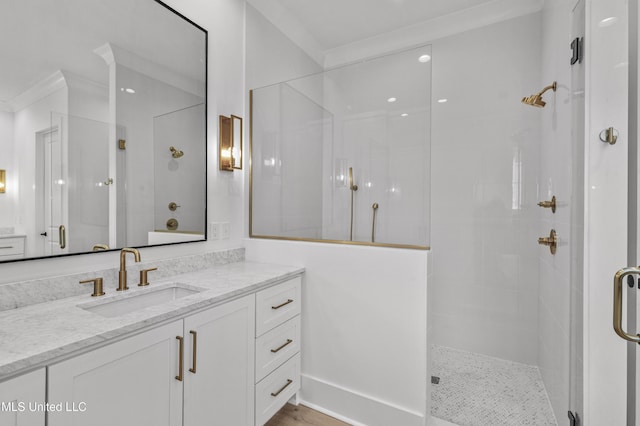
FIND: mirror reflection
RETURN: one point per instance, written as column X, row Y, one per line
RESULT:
column 102, row 126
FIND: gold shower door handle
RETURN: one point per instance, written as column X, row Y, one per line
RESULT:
column 62, row 236
column 617, row 303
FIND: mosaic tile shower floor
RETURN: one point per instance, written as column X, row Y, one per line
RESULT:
column 478, row 390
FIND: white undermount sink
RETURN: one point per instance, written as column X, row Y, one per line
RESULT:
column 127, row 303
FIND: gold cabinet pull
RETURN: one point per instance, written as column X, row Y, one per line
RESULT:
column 282, row 304
column 278, row 349
column 289, row 381
column 617, row 304
column 195, row 351
column 62, row 236
column 549, row 204
column 181, row 361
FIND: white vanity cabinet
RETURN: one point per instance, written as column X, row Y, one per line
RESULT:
column 218, row 384
column 12, row 247
column 277, row 347
column 205, row 360
column 23, row 399
column 130, row 382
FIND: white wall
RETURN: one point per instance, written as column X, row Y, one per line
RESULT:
column 557, row 158
column 485, row 160
column 363, row 327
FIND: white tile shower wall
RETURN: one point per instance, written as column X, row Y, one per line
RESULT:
column 485, row 160
column 363, row 308
column 135, row 118
column 555, row 179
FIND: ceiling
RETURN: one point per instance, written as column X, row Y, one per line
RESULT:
column 334, row 23
column 40, row 37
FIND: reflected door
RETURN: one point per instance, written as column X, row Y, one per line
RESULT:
column 50, row 193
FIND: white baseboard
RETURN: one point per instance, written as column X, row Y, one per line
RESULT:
column 353, row 407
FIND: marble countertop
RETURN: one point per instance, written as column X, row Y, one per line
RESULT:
column 42, row 334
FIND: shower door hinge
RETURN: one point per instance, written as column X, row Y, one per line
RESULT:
column 574, row 420
column 577, row 50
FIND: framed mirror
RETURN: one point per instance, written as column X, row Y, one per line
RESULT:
column 102, row 126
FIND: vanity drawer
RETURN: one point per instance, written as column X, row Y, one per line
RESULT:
column 276, row 346
column 13, row 247
column 276, row 389
column 277, row 304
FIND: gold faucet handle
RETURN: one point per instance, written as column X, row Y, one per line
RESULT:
column 97, row 286
column 143, row 276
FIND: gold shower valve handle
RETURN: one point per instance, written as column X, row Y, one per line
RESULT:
column 549, row 204
column 551, row 241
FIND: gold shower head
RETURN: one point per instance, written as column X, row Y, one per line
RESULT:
column 536, row 100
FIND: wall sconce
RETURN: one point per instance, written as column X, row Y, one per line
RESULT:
column 3, row 181
column 230, row 152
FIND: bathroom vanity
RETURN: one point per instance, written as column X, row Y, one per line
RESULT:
column 225, row 349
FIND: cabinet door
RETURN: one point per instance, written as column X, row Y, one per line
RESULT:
column 128, row 383
column 221, row 390
column 23, row 400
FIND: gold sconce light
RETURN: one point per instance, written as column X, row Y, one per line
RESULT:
column 3, row 181
column 230, row 152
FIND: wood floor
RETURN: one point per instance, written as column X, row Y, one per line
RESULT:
column 291, row 415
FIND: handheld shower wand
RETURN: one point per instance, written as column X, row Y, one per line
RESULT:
column 373, row 225
column 353, row 188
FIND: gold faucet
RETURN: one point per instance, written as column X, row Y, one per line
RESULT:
column 122, row 281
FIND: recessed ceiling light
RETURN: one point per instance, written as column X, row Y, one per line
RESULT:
column 392, row 99
column 129, row 90
column 404, row 114
column 424, row 58
column 608, row 21
column 443, row 100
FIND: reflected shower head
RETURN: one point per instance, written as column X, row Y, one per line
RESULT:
column 536, row 100
column 175, row 153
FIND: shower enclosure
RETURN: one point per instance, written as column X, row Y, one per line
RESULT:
column 343, row 155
